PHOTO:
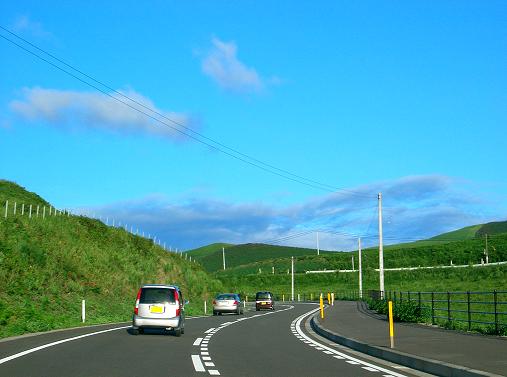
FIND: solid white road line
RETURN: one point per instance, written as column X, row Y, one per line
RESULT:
column 209, row 330
column 197, row 342
column 15, row 356
column 198, row 363
column 348, row 358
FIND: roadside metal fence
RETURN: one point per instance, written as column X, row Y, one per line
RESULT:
column 470, row 309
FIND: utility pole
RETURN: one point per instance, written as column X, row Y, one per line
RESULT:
column 360, row 271
column 292, row 279
column 486, row 250
column 223, row 256
column 318, row 250
column 380, row 247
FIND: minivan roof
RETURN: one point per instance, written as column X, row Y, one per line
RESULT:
column 160, row 286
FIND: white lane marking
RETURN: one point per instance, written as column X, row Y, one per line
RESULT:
column 204, row 348
column 204, row 353
column 348, row 358
column 338, row 357
column 209, row 330
column 352, row 362
column 15, row 356
column 197, row 342
column 370, row 369
column 198, row 364
column 206, row 358
column 328, row 352
column 209, row 364
column 214, row 372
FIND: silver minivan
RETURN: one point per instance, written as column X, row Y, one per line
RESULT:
column 159, row 306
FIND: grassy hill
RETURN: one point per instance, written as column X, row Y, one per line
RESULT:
column 204, row 251
column 239, row 255
column 47, row 266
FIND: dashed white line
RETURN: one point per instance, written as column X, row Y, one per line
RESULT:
column 370, row 369
column 214, row 372
column 209, row 330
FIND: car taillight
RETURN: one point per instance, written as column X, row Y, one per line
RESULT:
column 178, row 311
column 236, row 302
column 136, row 307
column 214, row 302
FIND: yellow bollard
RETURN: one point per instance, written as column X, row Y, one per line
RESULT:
column 391, row 325
column 328, row 298
column 321, row 306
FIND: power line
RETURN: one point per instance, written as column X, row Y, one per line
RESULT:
column 231, row 152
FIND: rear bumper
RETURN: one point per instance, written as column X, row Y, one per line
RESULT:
column 258, row 305
column 166, row 323
column 225, row 309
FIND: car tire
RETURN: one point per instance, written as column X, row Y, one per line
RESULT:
column 134, row 332
column 177, row 332
column 183, row 330
column 141, row 331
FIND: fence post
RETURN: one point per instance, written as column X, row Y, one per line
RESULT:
column 433, row 308
column 30, row 213
column 22, row 209
column 468, row 310
column 37, row 211
column 15, row 208
column 43, row 212
column 449, row 306
column 6, row 207
column 205, row 307
column 496, row 310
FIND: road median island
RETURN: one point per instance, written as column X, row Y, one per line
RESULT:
column 435, row 351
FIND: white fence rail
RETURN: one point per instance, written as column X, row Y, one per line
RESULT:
column 32, row 211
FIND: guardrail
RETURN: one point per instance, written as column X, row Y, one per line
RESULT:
column 448, row 308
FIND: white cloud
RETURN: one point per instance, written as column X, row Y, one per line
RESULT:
column 414, row 208
column 224, row 67
column 74, row 109
column 23, row 24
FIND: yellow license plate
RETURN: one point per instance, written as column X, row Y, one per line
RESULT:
column 264, row 303
column 157, row 309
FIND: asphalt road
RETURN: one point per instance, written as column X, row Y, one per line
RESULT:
column 278, row 343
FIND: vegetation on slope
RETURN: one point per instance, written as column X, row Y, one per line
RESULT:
column 48, row 266
column 250, row 253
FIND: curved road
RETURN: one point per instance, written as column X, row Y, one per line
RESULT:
column 278, row 343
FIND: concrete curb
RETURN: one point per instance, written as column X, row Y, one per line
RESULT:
column 435, row 367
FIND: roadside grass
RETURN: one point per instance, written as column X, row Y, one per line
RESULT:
column 48, row 266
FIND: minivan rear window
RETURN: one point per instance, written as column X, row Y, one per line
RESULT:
column 157, row 295
column 263, row 296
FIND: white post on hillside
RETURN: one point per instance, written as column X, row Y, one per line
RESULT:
column 223, row 256
column 360, row 271
column 83, row 310
column 353, row 269
column 318, row 249
column 292, row 277
column 15, row 208
column 22, row 209
column 30, row 213
column 380, row 247
column 43, row 212
column 6, row 207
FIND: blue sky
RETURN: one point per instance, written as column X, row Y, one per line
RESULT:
column 406, row 98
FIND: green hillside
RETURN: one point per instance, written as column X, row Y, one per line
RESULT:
column 466, row 233
column 492, row 228
column 204, row 251
column 250, row 253
column 47, row 266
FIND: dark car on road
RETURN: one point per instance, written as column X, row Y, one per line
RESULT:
column 264, row 300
